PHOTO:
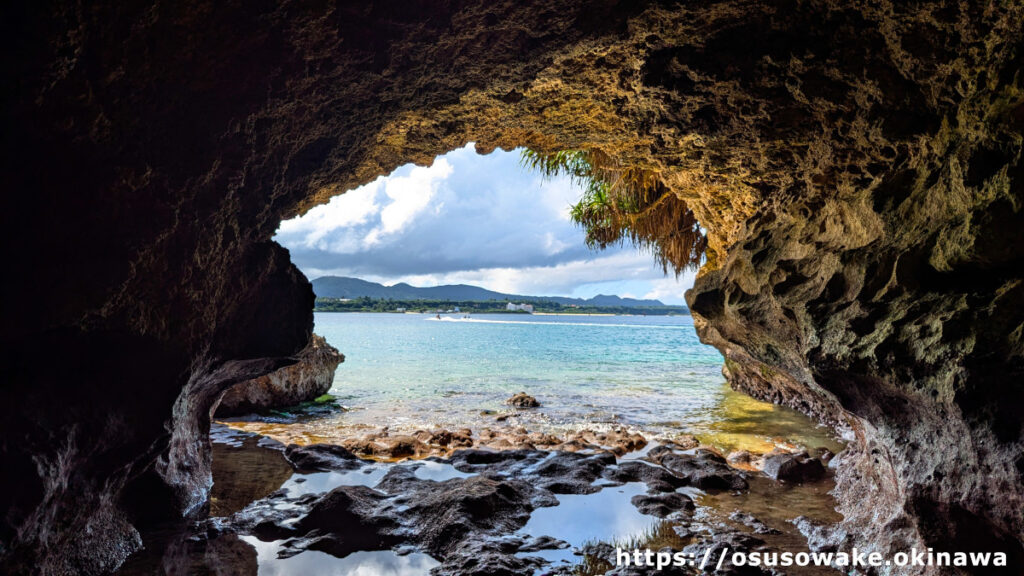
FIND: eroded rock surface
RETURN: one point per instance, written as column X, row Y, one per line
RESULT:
column 469, row 523
column 856, row 164
column 308, row 378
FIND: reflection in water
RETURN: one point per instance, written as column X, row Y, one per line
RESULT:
column 777, row 505
column 438, row 471
column 369, row 475
column 320, row 482
column 607, row 515
column 313, row 563
column 244, row 471
column 738, row 422
column 175, row 551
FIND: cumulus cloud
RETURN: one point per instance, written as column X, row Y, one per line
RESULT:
column 472, row 219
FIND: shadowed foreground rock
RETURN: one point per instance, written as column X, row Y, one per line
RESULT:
column 857, row 166
column 308, row 378
column 471, row 524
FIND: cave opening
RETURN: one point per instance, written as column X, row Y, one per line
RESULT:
column 425, row 378
column 471, row 240
column 858, row 171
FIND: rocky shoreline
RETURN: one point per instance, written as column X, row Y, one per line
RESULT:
column 471, row 515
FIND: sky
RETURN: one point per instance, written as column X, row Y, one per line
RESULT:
column 470, row 219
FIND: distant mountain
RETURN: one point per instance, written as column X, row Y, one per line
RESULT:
column 345, row 287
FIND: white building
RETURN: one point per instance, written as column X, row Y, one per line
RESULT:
column 524, row 307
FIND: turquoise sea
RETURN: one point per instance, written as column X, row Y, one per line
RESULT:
column 648, row 373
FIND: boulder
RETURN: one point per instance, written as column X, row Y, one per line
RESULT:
column 662, row 505
column 703, row 469
column 308, row 378
column 787, row 467
column 523, row 400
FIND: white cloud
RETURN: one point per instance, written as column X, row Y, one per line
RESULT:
column 470, row 219
column 409, row 196
column 670, row 289
column 312, row 229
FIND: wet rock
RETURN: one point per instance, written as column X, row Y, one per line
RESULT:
column 618, row 440
column 753, row 523
column 657, row 478
column 684, row 442
column 345, row 520
column 487, row 558
column 446, row 438
column 789, row 467
column 745, row 460
column 662, row 505
column 727, row 541
column 572, row 473
column 468, row 523
column 542, row 543
column 308, row 378
column 478, row 461
column 558, row 472
column 387, row 446
column 445, row 513
column 703, row 469
column 400, row 446
column 523, row 400
column 321, row 457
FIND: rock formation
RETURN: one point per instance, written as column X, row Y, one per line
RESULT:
column 308, row 378
column 523, row 400
column 857, row 166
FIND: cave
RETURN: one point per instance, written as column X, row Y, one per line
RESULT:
column 857, row 167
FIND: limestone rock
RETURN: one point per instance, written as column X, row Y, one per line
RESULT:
column 523, row 400
column 308, row 378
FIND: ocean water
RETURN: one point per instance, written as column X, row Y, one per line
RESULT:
column 647, row 373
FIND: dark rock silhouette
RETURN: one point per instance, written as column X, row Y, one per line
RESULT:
column 857, row 167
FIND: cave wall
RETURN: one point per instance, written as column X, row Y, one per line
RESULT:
column 857, row 165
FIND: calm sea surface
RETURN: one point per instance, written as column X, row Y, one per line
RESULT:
column 648, row 373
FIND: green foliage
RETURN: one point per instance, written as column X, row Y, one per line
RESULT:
column 625, row 203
